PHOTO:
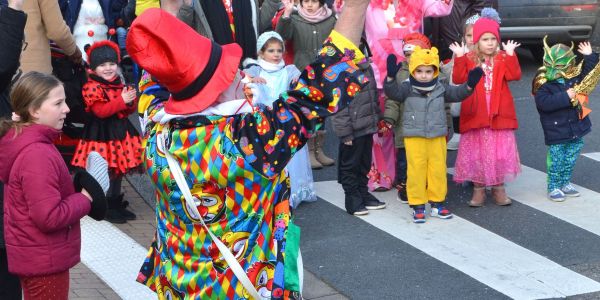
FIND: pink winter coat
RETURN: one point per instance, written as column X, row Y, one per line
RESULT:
column 41, row 208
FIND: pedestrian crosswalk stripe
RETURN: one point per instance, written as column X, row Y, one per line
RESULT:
column 487, row 257
column 530, row 189
column 114, row 257
column 593, row 155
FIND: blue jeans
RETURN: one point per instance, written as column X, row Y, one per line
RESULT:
column 121, row 37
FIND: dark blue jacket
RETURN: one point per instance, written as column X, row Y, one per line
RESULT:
column 560, row 120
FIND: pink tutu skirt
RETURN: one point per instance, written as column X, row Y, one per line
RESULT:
column 487, row 156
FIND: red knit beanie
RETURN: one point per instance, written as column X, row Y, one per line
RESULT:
column 483, row 25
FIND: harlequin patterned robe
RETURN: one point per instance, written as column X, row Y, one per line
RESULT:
column 233, row 166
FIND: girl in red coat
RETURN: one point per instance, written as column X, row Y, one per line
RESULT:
column 109, row 131
column 487, row 154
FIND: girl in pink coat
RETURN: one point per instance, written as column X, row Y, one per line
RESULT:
column 42, row 206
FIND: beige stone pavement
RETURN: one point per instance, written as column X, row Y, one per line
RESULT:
column 85, row 285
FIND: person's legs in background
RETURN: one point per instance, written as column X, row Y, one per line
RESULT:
column 319, row 153
column 401, row 167
column 455, row 140
column 117, row 207
column 121, row 37
column 10, row 288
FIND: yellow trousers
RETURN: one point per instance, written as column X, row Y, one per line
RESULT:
column 427, row 179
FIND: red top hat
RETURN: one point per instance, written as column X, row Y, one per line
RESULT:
column 193, row 68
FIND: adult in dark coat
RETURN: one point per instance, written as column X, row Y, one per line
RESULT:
column 449, row 29
column 12, row 24
column 210, row 19
column 12, row 28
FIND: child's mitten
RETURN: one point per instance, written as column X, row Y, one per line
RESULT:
column 474, row 77
column 392, row 65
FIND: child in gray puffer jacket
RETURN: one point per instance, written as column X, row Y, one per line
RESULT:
column 424, row 127
column 355, row 125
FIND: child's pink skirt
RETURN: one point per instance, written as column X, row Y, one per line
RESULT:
column 487, row 156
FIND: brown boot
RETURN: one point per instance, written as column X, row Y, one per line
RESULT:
column 314, row 163
column 478, row 198
column 319, row 154
column 499, row 194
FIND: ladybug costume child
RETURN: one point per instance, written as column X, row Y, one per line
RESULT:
column 109, row 131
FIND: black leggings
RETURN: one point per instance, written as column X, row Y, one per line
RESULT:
column 115, row 186
column 456, row 124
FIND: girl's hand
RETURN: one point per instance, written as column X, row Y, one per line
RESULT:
column 128, row 95
column 571, row 93
column 457, row 49
column 584, row 48
column 348, row 143
column 85, row 193
column 510, row 47
column 258, row 80
column 288, row 7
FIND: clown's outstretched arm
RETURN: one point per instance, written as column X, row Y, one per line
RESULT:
column 269, row 138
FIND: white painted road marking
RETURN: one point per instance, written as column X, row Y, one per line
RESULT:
column 114, row 257
column 530, row 189
column 593, row 155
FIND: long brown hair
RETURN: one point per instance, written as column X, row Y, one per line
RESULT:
column 27, row 94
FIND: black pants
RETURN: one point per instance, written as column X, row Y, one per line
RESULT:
column 456, row 124
column 401, row 165
column 10, row 288
column 354, row 163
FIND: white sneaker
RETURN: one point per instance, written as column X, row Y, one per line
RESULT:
column 570, row 191
column 556, row 195
column 453, row 142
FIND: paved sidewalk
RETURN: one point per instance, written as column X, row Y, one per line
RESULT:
column 85, row 285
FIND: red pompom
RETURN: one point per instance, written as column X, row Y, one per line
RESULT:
column 91, row 33
column 111, row 31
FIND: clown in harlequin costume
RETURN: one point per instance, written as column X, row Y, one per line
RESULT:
column 424, row 127
column 556, row 90
column 109, row 131
column 232, row 157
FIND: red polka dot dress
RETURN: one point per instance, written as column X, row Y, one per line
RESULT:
column 109, row 131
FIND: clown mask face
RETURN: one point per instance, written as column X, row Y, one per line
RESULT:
column 209, row 200
column 558, row 60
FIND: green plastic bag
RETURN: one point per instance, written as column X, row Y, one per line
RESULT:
column 292, row 251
